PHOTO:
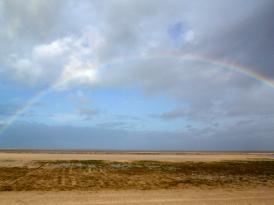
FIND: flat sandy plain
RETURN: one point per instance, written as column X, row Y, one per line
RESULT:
column 55, row 177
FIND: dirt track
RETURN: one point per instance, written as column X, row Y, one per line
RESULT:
column 159, row 197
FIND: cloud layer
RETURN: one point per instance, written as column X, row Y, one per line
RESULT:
column 139, row 45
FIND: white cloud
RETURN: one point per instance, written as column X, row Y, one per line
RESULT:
column 67, row 60
column 77, row 73
column 190, row 36
column 65, row 118
column 52, row 50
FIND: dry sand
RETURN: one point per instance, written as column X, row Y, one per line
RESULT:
column 21, row 158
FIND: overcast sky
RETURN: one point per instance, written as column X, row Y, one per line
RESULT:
column 137, row 74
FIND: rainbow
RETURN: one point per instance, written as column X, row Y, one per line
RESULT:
column 204, row 59
column 249, row 72
column 23, row 109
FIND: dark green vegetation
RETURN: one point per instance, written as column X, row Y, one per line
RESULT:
column 97, row 175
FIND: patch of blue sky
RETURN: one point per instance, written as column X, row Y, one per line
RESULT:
column 10, row 92
column 129, row 101
column 127, row 105
column 176, row 32
column 132, row 103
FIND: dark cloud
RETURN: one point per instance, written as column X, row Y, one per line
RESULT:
column 9, row 109
column 88, row 113
column 67, row 137
column 112, row 125
column 24, row 24
column 248, row 42
column 128, row 117
column 174, row 114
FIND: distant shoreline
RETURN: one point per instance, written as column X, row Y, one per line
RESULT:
column 83, row 151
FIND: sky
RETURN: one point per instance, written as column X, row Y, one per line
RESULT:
column 137, row 75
